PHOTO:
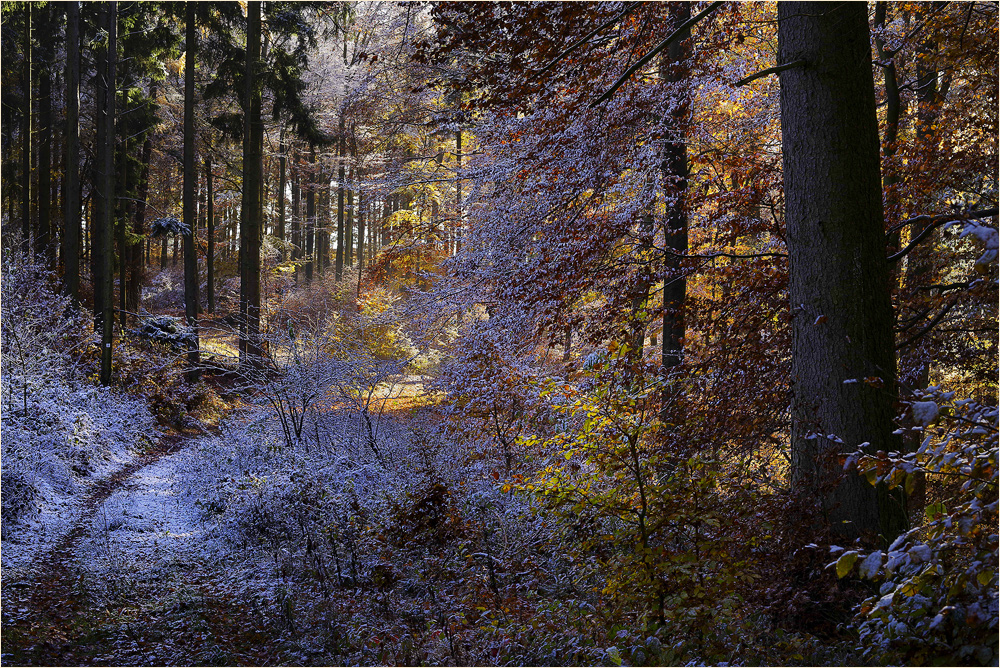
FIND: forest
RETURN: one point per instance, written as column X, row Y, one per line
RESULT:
column 482, row 333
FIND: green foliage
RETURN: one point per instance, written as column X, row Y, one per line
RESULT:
column 938, row 595
column 661, row 526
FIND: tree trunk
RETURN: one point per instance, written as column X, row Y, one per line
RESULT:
column 44, row 249
column 103, row 252
column 458, row 190
column 250, row 213
column 341, row 149
column 296, row 221
column 190, row 182
column 842, row 321
column 311, row 216
column 26, row 131
column 361, row 231
column 133, row 299
column 674, row 168
column 279, row 228
column 210, row 233
column 71, row 191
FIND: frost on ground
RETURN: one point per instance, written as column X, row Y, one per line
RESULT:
column 146, row 532
column 69, row 439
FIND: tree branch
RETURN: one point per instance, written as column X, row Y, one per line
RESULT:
column 769, row 71
column 930, row 325
column 673, row 37
column 631, row 7
column 934, row 222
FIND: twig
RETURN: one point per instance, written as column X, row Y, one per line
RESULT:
column 934, row 223
column 586, row 38
column 673, row 37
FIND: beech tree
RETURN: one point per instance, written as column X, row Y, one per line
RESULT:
column 843, row 359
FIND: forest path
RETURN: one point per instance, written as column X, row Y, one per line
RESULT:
column 134, row 582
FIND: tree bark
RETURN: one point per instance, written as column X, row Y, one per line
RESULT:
column 250, row 212
column 279, row 228
column 71, row 190
column 43, row 237
column 674, row 170
column 210, row 233
column 133, row 300
column 26, row 132
column 341, row 149
column 311, row 216
column 190, row 183
column 105, row 226
column 361, row 231
column 842, row 321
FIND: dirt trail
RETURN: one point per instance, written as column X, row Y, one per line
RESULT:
column 136, row 581
column 51, row 609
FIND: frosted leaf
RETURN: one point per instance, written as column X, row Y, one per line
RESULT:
column 919, row 553
column 870, row 566
column 925, row 412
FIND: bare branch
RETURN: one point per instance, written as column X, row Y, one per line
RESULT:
column 631, row 7
column 769, row 71
column 934, row 222
column 673, row 37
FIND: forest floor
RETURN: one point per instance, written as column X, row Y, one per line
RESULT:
column 136, row 580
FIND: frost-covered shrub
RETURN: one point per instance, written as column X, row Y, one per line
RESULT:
column 57, row 427
column 938, row 595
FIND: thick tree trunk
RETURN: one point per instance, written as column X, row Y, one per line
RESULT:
column 190, row 183
column 250, row 214
column 842, row 319
column 674, row 168
column 71, row 191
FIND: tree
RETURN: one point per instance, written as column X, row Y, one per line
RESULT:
column 104, row 225
column 251, row 212
column 843, row 359
column 71, row 189
column 190, row 182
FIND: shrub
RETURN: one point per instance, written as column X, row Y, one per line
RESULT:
column 937, row 600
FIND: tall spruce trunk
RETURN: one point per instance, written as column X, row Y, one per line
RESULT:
column 71, row 190
column 26, row 131
column 842, row 320
column 210, row 234
column 137, row 267
column 279, row 228
column 44, row 250
column 105, row 225
column 250, row 212
column 190, row 183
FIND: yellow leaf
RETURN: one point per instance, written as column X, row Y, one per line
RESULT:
column 846, row 563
